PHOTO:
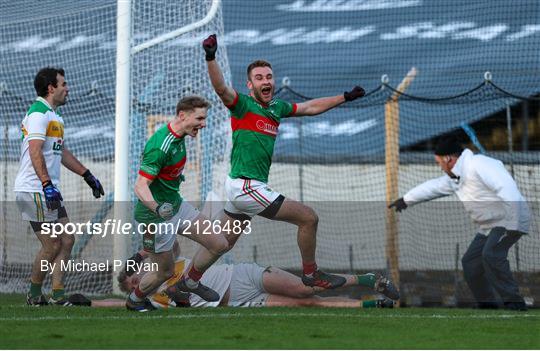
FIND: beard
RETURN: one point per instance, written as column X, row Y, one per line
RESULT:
column 260, row 97
column 62, row 101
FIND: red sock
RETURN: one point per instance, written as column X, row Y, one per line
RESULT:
column 309, row 268
column 194, row 274
column 138, row 293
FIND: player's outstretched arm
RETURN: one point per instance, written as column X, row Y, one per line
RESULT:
column 81, row 300
column 321, row 105
column 225, row 92
column 108, row 303
column 313, row 301
column 429, row 190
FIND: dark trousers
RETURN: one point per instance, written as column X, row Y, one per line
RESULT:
column 486, row 268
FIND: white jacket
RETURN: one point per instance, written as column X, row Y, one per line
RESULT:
column 486, row 189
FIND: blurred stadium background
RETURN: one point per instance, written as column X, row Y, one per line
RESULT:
column 336, row 162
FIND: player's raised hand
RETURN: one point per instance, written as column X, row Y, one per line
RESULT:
column 355, row 93
column 93, row 182
column 399, row 205
column 52, row 196
column 210, row 47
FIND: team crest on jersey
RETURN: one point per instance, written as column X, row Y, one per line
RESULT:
column 266, row 127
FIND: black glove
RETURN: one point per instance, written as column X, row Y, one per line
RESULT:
column 355, row 93
column 52, row 196
column 93, row 183
column 210, row 47
column 138, row 259
column 79, row 300
column 399, row 205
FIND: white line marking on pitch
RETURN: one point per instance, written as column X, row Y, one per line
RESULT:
column 257, row 315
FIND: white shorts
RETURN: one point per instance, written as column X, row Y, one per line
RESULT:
column 248, row 196
column 165, row 232
column 33, row 208
column 247, row 289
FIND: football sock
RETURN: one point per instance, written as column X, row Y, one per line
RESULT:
column 366, row 280
column 136, row 295
column 193, row 277
column 58, row 294
column 35, row 289
column 309, row 268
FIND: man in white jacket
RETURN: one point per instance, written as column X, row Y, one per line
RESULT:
column 491, row 197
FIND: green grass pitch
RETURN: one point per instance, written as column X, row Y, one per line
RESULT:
column 54, row 327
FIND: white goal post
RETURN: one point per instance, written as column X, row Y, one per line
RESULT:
column 125, row 55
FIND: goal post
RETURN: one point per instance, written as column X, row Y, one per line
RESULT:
column 121, row 144
column 134, row 62
column 123, row 60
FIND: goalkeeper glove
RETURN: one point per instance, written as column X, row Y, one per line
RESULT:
column 93, row 182
column 79, row 300
column 210, row 47
column 399, row 205
column 165, row 211
column 355, row 93
column 52, row 196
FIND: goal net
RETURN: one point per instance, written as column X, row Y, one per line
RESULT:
column 337, row 162
column 81, row 38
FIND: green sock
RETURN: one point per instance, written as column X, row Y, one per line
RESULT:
column 369, row 303
column 58, row 294
column 35, row 289
column 366, row 280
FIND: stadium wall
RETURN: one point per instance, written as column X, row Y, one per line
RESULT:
column 428, row 240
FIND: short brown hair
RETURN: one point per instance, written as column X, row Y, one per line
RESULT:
column 45, row 77
column 190, row 103
column 257, row 63
column 122, row 282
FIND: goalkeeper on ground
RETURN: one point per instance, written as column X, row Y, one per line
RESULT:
column 250, row 285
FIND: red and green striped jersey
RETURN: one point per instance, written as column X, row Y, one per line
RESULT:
column 255, row 128
column 162, row 161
